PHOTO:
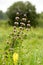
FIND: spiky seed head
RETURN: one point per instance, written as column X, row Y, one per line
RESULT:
column 27, row 29
column 20, row 28
column 14, row 30
column 11, row 49
column 17, row 18
column 17, row 34
column 28, row 25
column 24, row 15
column 7, row 42
column 22, row 24
column 14, row 27
column 28, row 21
column 19, row 37
column 24, row 19
column 17, row 13
column 16, row 23
column 15, row 38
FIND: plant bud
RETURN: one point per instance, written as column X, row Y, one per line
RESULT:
column 28, row 21
column 24, row 15
column 14, row 30
column 16, row 23
column 28, row 25
column 17, row 18
column 14, row 27
column 20, row 28
column 7, row 42
column 6, row 56
column 17, row 13
column 10, row 49
column 24, row 19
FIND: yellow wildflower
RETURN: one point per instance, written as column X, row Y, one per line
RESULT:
column 15, row 58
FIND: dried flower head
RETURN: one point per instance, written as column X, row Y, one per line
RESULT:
column 20, row 28
column 22, row 24
column 16, row 23
column 24, row 19
column 28, row 21
column 24, row 15
column 7, row 42
column 10, row 49
column 17, row 13
column 14, row 30
column 17, row 18
column 28, row 25
column 14, row 27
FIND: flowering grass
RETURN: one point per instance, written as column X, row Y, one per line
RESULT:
column 30, row 50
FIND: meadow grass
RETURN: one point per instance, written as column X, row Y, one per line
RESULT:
column 30, row 50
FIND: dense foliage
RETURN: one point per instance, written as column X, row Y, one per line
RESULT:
column 3, row 15
column 22, row 8
column 40, row 19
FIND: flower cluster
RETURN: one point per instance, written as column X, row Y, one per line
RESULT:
column 24, row 21
column 15, row 39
